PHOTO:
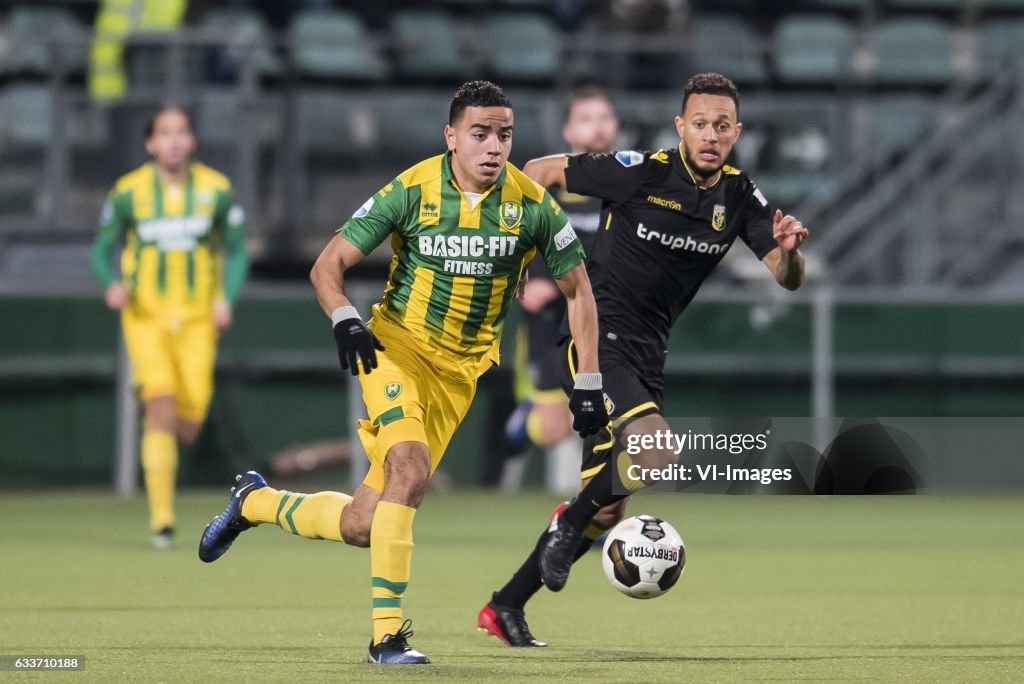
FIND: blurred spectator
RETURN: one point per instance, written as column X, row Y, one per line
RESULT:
column 115, row 21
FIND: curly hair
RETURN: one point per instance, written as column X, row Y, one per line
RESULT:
column 711, row 84
column 476, row 94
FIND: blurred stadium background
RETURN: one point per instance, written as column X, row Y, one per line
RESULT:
column 891, row 128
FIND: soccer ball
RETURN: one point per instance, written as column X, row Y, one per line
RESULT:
column 643, row 556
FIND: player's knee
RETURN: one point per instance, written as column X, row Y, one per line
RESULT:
column 188, row 431
column 160, row 414
column 406, row 471
column 556, row 422
column 355, row 528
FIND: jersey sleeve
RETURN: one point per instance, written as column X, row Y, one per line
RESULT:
column 377, row 218
column 230, row 220
column 756, row 231
column 612, row 176
column 115, row 219
column 556, row 241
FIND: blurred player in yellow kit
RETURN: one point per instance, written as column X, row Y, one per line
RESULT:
column 182, row 266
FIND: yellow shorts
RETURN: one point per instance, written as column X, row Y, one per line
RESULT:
column 408, row 399
column 172, row 357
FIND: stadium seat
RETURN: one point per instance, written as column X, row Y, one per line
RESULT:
column 1002, row 5
column 26, row 119
column 27, row 115
column 813, row 49
column 796, row 156
column 245, row 27
column 893, row 122
column 1000, row 40
column 411, row 138
column 912, row 51
column 729, row 45
column 334, row 44
column 522, row 47
column 217, row 117
column 427, row 45
column 846, row 5
column 334, row 123
column 30, row 31
column 925, row 5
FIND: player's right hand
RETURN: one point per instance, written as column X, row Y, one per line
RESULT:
column 586, row 403
column 356, row 343
column 116, row 297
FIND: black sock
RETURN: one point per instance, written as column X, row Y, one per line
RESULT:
column 526, row 580
column 598, row 493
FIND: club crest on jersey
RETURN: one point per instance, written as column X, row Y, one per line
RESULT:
column 609, row 405
column 718, row 217
column 510, row 215
column 629, row 158
column 392, row 390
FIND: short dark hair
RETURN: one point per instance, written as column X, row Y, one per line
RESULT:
column 151, row 124
column 711, row 84
column 476, row 94
column 588, row 91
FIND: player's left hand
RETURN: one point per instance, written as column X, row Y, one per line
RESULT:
column 589, row 413
column 222, row 317
column 788, row 231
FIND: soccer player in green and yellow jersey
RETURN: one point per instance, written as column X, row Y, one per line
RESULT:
column 183, row 263
column 463, row 226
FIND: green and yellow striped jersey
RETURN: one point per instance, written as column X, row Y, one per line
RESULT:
column 184, row 247
column 456, row 267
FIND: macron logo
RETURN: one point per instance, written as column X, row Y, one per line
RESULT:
column 684, row 242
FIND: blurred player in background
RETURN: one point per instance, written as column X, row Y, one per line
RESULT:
column 463, row 226
column 182, row 267
column 542, row 417
column 671, row 217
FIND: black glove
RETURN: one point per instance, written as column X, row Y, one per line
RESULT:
column 355, row 342
column 586, row 403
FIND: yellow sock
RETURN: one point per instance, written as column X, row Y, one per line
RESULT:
column 390, row 564
column 313, row 516
column 160, row 467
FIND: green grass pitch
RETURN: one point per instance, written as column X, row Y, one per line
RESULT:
column 776, row 589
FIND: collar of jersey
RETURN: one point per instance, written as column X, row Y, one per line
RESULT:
column 449, row 177
column 715, row 180
column 160, row 180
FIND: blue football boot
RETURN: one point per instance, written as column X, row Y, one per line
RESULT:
column 393, row 649
column 223, row 530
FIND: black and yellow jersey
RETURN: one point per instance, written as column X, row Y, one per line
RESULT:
column 175, row 241
column 456, row 265
column 662, row 234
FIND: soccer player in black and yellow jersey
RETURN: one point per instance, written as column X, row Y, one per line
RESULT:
column 183, row 263
column 668, row 219
column 463, row 226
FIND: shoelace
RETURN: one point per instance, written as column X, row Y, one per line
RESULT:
column 518, row 619
column 403, row 633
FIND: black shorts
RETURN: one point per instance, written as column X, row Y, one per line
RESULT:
column 629, row 393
